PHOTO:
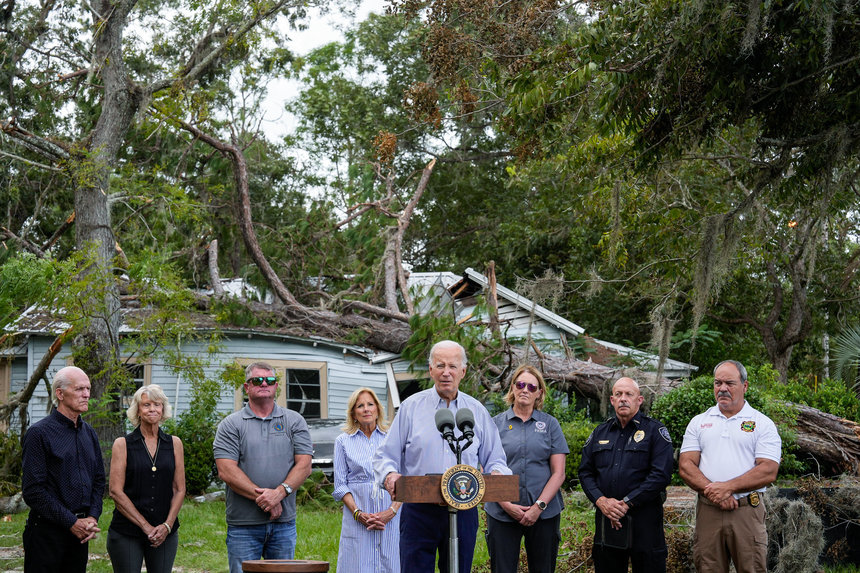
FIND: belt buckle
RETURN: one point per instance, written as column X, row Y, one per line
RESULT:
column 755, row 499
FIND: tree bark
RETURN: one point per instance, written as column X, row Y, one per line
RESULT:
column 833, row 442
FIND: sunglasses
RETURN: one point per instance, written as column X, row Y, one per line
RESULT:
column 520, row 385
column 258, row 380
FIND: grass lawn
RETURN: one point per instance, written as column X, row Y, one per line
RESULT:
column 201, row 541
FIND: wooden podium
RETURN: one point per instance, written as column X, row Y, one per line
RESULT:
column 428, row 489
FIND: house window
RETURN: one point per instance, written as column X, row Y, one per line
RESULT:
column 137, row 374
column 303, row 392
column 302, row 386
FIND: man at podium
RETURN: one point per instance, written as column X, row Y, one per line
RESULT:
column 415, row 447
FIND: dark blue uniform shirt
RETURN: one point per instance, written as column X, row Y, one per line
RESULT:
column 633, row 463
column 62, row 469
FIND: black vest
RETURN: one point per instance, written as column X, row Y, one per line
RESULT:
column 149, row 491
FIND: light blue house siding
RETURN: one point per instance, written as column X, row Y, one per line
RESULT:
column 341, row 369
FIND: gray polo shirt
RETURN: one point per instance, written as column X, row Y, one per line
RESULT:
column 528, row 446
column 265, row 449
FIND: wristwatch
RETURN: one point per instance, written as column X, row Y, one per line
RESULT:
column 287, row 488
column 627, row 501
column 541, row 504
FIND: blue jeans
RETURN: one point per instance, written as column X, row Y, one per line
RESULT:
column 272, row 540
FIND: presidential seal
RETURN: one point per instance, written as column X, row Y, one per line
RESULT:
column 462, row 487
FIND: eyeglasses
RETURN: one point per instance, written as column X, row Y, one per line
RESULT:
column 258, row 380
column 520, row 385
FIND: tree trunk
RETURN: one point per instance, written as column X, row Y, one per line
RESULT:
column 833, row 442
column 96, row 346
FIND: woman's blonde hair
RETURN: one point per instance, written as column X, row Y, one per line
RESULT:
column 156, row 394
column 351, row 425
column 509, row 397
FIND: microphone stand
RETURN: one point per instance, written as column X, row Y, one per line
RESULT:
column 453, row 539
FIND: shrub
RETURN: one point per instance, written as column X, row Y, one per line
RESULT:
column 316, row 492
column 576, row 428
column 196, row 428
column 10, row 467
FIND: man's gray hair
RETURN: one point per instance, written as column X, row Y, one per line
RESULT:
column 447, row 344
column 740, row 367
column 257, row 366
column 62, row 378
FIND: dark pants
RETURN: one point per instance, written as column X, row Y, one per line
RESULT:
column 541, row 540
column 424, row 532
column 128, row 553
column 647, row 552
column 49, row 547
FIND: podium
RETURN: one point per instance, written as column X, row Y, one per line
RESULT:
column 429, row 488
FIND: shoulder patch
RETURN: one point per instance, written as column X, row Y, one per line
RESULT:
column 588, row 440
column 665, row 433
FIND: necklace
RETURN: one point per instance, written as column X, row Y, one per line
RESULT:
column 151, row 457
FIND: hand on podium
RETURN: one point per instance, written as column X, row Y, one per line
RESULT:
column 390, row 480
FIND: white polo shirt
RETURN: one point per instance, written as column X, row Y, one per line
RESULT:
column 730, row 446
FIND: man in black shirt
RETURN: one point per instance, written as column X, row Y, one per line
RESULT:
column 626, row 466
column 63, row 480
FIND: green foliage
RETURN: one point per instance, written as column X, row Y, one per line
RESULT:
column 846, row 357
column 576, row 429
column 315, row 493
column 196, row 428
column 828, row 395
column 430, row 328
column 10, row 467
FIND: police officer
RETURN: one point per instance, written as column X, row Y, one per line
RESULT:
column 626, row 466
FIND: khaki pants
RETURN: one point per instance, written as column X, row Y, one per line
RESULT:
column 739, row 534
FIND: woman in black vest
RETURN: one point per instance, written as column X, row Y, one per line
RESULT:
column 147, row 482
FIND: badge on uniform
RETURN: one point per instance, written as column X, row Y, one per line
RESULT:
column 755, row 499
column 510, row 426
column 748, row 426
column 638, row 436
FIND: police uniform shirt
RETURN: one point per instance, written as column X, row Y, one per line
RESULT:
column 730, row 446
column 633, row 463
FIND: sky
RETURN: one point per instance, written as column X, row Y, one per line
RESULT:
column 322, row 30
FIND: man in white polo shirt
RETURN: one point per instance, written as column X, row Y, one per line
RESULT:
column 729, row 455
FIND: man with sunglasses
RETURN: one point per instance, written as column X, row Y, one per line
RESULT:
column 263, row 453
column 625, row 468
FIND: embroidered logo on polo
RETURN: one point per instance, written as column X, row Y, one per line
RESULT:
column 278, row 427
column 708, row 425
column 540, row 427
column 748, row 426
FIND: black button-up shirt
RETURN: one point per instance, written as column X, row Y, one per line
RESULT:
column 63, row 472
column 634, row 462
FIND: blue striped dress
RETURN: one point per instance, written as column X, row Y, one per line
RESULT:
column 362, row 550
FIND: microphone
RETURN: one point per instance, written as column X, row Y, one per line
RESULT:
column 445, row 423
column 466, row 422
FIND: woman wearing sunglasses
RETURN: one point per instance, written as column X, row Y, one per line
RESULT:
column 536, row 451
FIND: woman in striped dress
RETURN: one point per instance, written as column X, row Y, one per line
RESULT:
column 370, row 531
